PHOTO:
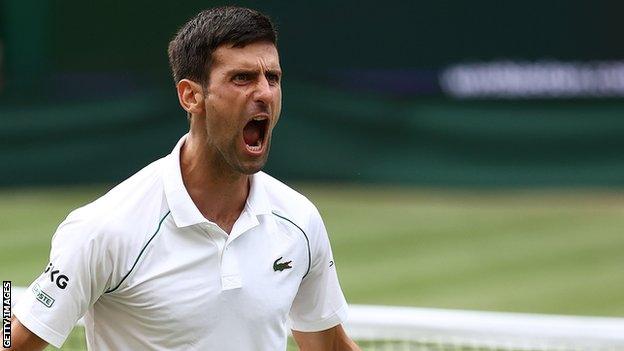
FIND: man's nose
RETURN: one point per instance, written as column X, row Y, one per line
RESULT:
column 264, row 91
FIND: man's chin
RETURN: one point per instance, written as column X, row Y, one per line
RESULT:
column 252, row 167
column 251, row 171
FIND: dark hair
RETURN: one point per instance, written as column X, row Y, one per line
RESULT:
column 190, row 51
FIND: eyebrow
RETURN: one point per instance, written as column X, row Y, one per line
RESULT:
column 252, row 71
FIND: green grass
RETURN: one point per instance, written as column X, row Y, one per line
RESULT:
column 505, row 251
column 525, row 251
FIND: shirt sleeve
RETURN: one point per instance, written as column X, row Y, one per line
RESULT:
column 319, row 303
column 76, row 276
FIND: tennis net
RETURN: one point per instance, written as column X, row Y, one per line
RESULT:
column 422, row 329
column 385, row 328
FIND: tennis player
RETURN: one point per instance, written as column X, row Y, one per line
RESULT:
column 199, row 250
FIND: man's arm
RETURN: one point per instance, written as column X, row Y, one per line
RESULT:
column 332, row 339
column 24, row 339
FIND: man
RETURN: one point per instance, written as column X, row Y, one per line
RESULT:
column 199, row 250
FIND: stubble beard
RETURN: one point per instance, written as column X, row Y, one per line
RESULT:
column 234, row 164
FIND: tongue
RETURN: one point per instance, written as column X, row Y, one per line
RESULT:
column 251, row 134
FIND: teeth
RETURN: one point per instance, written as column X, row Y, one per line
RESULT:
column 256, row 147
column 259, row 118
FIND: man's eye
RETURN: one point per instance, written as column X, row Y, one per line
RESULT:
column 273, row 78
column 241, row 78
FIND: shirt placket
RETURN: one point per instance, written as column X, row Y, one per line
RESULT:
column 228, row 259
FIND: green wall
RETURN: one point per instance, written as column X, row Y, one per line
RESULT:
column 88, row 95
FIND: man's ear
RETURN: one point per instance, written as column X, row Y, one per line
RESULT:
column 191, row 96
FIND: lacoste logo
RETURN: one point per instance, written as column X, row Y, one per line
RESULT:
column 280, row 266
column 42, row 297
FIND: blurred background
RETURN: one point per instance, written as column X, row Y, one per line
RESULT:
column 463, row 154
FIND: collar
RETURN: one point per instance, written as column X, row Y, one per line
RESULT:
column 258, row 199
column 184, row 211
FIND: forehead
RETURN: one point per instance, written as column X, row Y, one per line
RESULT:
column 251, row 56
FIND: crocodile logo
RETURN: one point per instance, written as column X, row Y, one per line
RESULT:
column 280, row 266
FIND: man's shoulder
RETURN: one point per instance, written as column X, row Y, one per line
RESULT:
column 288, row 202
column 129, row 207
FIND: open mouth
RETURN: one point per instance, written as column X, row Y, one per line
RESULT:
column 254, row 132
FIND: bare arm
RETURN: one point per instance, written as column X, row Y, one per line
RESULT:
column 24, row 339
column 333, row 339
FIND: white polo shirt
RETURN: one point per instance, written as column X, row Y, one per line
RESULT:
column 149, row 272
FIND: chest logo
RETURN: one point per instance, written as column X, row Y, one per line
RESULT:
column 280, row 266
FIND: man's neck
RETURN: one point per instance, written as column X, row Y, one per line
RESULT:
column 219, row 193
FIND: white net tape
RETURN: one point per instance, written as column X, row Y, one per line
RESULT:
column 485, row 330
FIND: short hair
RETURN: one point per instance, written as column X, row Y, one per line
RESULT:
column 190, row 51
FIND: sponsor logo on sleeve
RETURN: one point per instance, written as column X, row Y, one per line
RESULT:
column 61, row 280
column 42, row 297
